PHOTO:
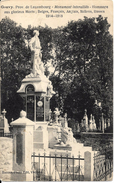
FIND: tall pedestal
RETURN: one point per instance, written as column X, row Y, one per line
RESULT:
column 22, row 149
column 36, row 93
column 36, row 90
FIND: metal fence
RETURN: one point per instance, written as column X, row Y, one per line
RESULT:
column 2, row 134
column 57, row 168
column 103, row 164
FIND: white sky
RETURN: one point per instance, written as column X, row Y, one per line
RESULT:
column 35, row 19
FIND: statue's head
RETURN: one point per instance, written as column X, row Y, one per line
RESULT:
column 35, row 32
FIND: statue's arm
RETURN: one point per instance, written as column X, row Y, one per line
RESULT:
column 30, row 44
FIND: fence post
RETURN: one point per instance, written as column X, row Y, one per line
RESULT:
column 105, row 165
column 88, row 166
column 61, row 167
column 23, row 148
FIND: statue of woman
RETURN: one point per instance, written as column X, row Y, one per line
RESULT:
column 36, row 54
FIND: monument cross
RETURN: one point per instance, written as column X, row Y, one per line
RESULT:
column 4, row 112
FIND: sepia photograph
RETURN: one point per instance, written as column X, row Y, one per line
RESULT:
column 56, row 90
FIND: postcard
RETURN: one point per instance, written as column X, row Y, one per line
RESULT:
column 56, row 90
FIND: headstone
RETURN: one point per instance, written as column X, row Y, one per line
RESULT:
column 1, row 123
column 105, row 125
column 82, row 123
column 91, row 123
column 78, row 127
column 108, row 122
column 5, row 121
column 85, row 119
column 102, row 123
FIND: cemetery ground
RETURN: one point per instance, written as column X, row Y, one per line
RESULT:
column 97, row 141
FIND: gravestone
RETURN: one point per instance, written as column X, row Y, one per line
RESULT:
column 91, row 123
column 1, row 126
column 85, row 120
column 4, row 126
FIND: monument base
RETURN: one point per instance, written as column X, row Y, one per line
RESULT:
column 40, row 136
column 63, row 147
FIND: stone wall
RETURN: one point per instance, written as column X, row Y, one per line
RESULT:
column 96, row 140
column 6, row 157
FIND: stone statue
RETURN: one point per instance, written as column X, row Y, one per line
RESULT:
column 36, row 55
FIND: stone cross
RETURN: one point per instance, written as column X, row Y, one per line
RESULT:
column 90, row 123
column 4, row 112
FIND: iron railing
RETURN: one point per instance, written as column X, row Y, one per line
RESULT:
column 57, row 168
column 103, row 164
column 2, row 134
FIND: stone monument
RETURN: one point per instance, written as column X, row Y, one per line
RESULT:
column 91, row 123
column 4, row 126
column 36, row 90
column 85, row 120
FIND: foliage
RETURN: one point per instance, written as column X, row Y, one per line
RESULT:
column 81, row 53
column 84, row 65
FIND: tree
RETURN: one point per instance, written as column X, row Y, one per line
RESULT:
column 84, row 61
column 16, row 59
column 80, row 54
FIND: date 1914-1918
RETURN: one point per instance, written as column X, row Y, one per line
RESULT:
column 52, row 16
